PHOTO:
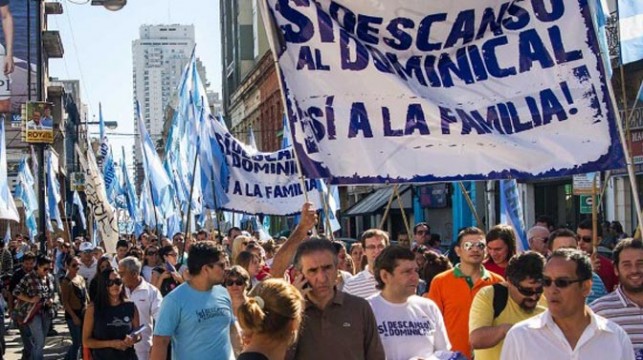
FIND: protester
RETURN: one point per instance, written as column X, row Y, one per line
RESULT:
column 434, row 264
column 341, row 324
column 271, row 316
column 602, row 265
column 270, row 248
column 27, row 266
column 421, row 234
column 237, row 282
column 110, row 320
column 363, row 284
column 537, row 237
column 249, row 262
column 623, row 306
column 152, row 260
column 357, row 253
column 568, row 329
column 147, row 299
column 342, row 265
column 102, row 264
column 403, row 239
column 167, row 277
column 122, row 247
column 74, row 298
column 501, row 246
column 567, row 239
column 495, row 309
column 434, row 242
column 197, row 316
column 396, row 273
column 98, row 252
column 35, row 294
column 453, row 290
column 238, row 245
column 88, row 263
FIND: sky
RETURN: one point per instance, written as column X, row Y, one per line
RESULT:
column 98, row 52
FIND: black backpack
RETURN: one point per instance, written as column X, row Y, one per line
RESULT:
column 500, row 297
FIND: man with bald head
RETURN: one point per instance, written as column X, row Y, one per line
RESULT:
column 537, row 237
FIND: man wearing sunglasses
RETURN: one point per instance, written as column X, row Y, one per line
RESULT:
column 623, row 305
column 568, row 329
column 421, row 234
column 453, row 290
column 489, row 320
column 197, row 316
column 567, row 239
column 602, row 265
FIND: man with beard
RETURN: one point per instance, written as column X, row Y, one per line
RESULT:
column 624, row 306
column 496, row 308
column 568, row 329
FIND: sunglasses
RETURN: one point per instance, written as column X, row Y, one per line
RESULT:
column 237, row 282
column 468, row 245
column 560, row 283
column 112, row 282
column 529, row 291
column 586, row 239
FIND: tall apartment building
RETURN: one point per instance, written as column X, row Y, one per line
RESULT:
column 159, row 56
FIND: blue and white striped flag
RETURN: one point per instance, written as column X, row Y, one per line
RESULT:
column 81, row 209
column 25, row 192
column 7, row 235
column 511, row 212
column 8, row 208
column 53, row 194
column 630, row 17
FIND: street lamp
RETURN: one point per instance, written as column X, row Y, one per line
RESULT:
column 112, row 5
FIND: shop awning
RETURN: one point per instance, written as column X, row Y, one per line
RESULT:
column 375, row 201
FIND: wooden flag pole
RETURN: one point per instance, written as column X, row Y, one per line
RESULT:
column 401, row 205
column 388, row 207
column 470, row 203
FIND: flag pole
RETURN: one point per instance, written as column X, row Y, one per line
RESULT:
column 388, row 207
column 187, row 220
column 619, row 125
column 465, row 193
column 401, row 205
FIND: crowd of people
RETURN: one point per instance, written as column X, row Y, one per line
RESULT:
column 205, row 296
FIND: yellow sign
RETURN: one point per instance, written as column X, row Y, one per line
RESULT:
column 38, row 123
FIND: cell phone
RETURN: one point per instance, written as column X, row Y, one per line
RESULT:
column 137, row 331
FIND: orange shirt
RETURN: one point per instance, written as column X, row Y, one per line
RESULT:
column 453, row 292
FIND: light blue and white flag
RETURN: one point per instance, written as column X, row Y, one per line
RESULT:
column 252, row 142
column 25, row 192
column 286, row 139
column 7, row 235
column 155, row 173
column 53, row 194
column 8, row 208
column 630, row 18
column 601, row 13
column 129, row 191
column 81, row 209
column 511, row 212
column 332, row 198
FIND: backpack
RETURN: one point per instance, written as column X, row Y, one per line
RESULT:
column 500, row 297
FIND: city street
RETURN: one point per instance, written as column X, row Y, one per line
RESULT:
column 55, row 346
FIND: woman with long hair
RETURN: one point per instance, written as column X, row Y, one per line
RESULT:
column 357, row 253
column 239, row 244
column 103, row 264
column 237, row 282
column 167, row 276
column 251, row 263
column 74, row 297
column 110, row 321
column 270, row 319
column 151, row 260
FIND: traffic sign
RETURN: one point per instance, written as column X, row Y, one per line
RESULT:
column 586, row 204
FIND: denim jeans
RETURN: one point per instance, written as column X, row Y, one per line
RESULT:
column 39, row 327
column 75, row 331
column 25, row 337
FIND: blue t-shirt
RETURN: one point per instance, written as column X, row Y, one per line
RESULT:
column 198, row 323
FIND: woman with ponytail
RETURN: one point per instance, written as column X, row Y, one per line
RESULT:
column 270, row 319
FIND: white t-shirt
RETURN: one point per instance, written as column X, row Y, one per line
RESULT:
column 409, row 330
column 363, row 284
column 87, row 272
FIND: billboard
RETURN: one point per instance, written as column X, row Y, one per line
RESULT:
column 38, row 122
column 18, row 54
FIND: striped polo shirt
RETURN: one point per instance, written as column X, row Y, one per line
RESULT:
column 361, row 285
column 616, row 306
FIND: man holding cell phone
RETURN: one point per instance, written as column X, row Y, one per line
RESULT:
column 147, row 299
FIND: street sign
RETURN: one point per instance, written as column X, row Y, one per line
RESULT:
column 583, row 184
column 586, row 204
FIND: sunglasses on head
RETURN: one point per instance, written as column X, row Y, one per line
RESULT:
column 560, row 283
column 528, row 291
column 238, row 282
column 112, row 282
column 468, row 245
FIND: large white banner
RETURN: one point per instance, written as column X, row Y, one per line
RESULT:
column 416, row 90
column 263, row 183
